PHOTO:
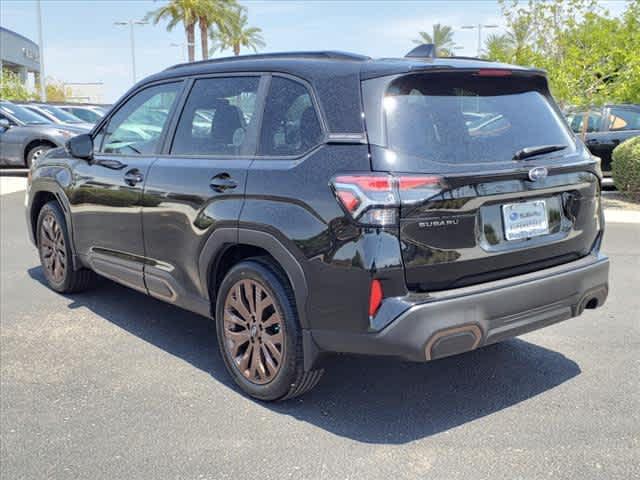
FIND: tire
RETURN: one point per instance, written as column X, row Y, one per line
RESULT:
column 238, row 339
column 55, row 253
column 36, row 152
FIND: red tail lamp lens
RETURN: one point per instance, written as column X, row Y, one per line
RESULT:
column 349, row 200
column 408, row 183
column 375, row 298
column 372, row 183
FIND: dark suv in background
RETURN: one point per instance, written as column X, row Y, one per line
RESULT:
column 325, row 202
column 604, row 128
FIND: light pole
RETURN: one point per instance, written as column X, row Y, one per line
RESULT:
column 43, row 89
column 183, row 50
column 480, row 26
column 131, row 24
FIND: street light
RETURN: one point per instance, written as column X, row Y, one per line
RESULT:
column 183, row 46
column 43, row 89
column 480, row 26
column 131, row 23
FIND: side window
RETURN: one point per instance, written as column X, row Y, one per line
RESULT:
column 624, row 119
column 576, row 120
column 290, row 125
column 216, row 117
column 595, row 121
column 136, row 127
column 4, row 117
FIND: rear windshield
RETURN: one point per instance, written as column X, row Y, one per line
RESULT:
column 466, row 118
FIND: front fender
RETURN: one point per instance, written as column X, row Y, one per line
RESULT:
column 49, row 181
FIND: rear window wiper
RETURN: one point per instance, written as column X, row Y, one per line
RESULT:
column 539, row 150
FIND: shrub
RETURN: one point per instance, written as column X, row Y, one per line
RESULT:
column 626, row 167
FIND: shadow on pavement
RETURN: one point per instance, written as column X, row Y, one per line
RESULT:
column 373, row 400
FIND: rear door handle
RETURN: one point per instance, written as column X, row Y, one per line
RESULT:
column 223, row 182
column 133, row 177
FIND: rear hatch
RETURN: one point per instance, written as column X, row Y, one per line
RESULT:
column 500, row 186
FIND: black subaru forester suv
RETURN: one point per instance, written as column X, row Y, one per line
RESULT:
column 323, row 202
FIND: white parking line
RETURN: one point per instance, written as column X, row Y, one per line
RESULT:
column 612, row 215
column 12, row 184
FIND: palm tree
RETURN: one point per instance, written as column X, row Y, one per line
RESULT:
column 213, row 12
column 520, row 36
column 442, row 39
column 498, row 47
column 511, row 46
column 179, row 11
column 236, row 34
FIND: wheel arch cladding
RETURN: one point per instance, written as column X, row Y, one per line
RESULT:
column 251, row 243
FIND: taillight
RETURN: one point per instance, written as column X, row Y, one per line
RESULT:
column 374, row 198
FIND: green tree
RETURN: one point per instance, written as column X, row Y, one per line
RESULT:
column 590, row 57
column 56, row 91
column 11, row 88
column 441, row 38
column 218, row 13
column 237, row 34
column 498, row 48
column 179, row 11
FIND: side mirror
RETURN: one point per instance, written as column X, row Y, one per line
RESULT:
column 80, row 146
column 5, row 124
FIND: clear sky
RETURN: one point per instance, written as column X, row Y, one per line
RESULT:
column 82, row 44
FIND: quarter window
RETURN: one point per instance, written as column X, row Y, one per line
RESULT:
column 624, row 119
column 290, row 125
column 135, row 129
column 217, row 116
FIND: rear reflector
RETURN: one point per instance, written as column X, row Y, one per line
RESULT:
column 375, row 299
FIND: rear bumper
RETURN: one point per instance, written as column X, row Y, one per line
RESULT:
column 463, row 319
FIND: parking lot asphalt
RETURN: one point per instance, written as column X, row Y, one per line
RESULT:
column 113, row 384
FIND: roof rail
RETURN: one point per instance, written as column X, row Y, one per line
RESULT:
column 321, row 55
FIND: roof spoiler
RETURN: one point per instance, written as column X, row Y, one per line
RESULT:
column 426, row 50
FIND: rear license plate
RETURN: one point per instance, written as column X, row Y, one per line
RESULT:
column 525, row 220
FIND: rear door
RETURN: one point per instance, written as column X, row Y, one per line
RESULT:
column 197, row 185
column 473, row 209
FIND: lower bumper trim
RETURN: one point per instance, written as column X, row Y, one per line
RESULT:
column 457, row 321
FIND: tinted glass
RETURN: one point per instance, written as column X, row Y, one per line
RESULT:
column 23, row 115
column 4, row 117
column 462, row 118
column 85, row 114
column 290, row 125
column 594, row 121
column 216, row 117
column 624, row 119
column 136, row 127
column 60, row 114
